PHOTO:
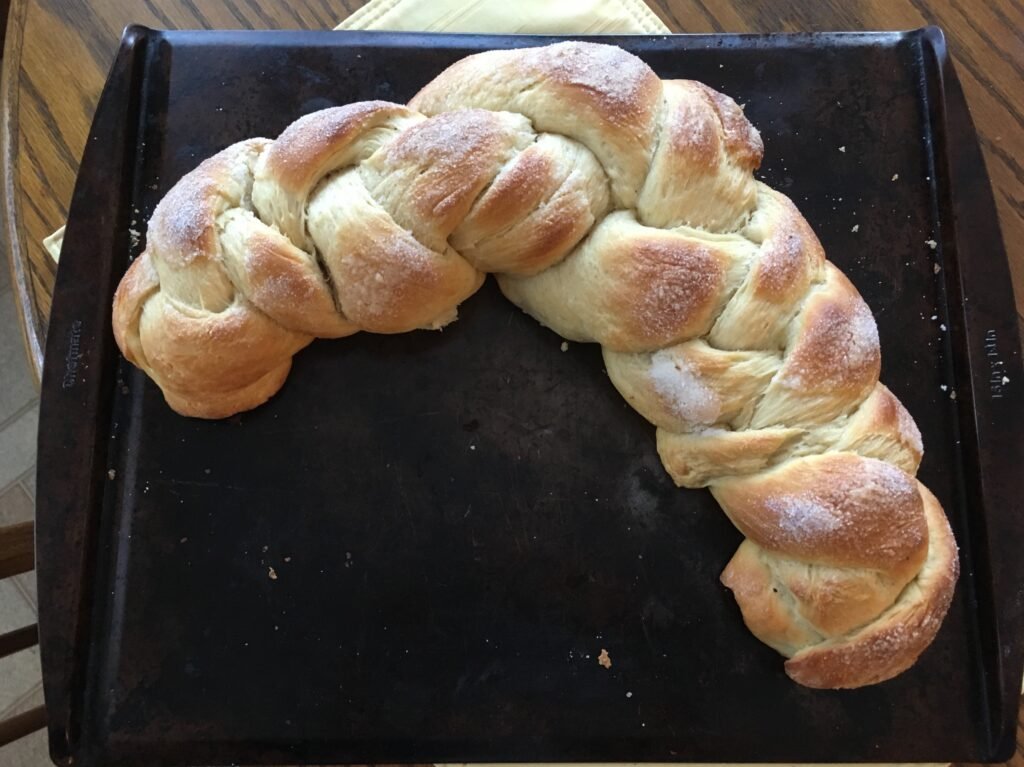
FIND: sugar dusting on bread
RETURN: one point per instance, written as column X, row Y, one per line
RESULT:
column 838, row 347
column 839, row 509
column 685, row 393
column 670, row 288
column 614, row 78
column 804, row 517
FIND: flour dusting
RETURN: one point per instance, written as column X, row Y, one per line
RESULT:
column 682, row 390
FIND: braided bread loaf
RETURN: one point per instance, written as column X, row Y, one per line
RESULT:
column 613, row 207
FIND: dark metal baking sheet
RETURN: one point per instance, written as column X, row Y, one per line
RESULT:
column 459, row 522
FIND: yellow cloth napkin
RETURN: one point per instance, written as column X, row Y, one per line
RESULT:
column 521, row 17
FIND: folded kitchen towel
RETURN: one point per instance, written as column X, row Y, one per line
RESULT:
column 523, row 17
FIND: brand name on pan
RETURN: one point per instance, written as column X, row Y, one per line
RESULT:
column 997, row 378
column 73, row 355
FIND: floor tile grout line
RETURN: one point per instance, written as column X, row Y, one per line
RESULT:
column 19, row 413
column 18, row 481
column 23, row 481
column 10, row 486
column 25, row 594
column 17, row 702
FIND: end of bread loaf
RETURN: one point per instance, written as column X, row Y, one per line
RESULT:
column 894, row 641
column 847, row 609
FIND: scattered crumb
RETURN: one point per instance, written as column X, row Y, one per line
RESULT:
column 135, row 237
column 272, row 573
column 842, row 149
column 936, row 268
column 856, row 227
column 565, row 346
column 287, row 559
column 894, row 176
column 629, row 694
column 943, row 387
column 111, row 473
column 1006, row 380
column 931, row 244
column 935, row 317
column 184, row 540
column 206, row 471
column 942, row 328
column 472, row 447
column 604, row 659
column 265, row 549
column 952, row 394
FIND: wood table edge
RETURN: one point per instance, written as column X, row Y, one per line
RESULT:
column 10, row 203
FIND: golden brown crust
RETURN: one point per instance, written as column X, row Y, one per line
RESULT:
column 742, row 140
column 838, row 509
column 309, row 147
column 632, row 288
column 832, row 362
column 429, row 177
column 700, row 174
column 215, row 364
column 385, row 279
column 281, row 280
column 882, row 428
column 539, row 207
column 842, row 626
column 788, row 261
column 179, row 316
column 313, row 147
column 139, row 283
column 892, row 643
column 600, row 96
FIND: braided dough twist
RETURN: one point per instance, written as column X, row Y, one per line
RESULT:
column 613, row 207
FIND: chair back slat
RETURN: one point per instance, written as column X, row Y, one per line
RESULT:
column 19, row 639
column 20, row 725
column 17, row 551
column 17, row 555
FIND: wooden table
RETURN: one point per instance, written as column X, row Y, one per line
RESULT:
column 58, row 51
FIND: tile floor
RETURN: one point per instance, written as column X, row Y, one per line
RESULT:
column 20, row 677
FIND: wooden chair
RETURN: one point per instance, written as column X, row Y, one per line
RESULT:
column 17, row 555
